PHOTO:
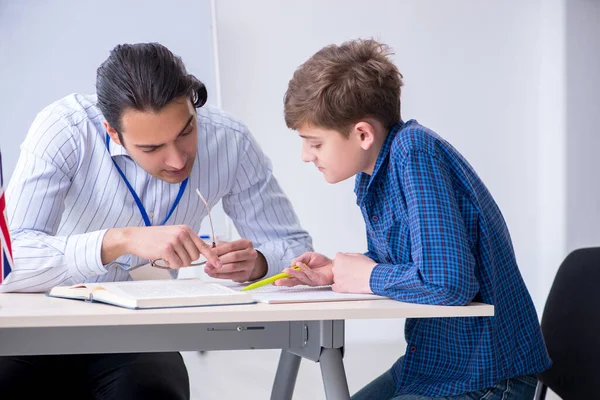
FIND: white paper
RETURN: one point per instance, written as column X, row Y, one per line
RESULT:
column 301, row 294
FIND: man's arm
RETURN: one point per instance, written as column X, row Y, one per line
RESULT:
column 261, row 212
column 35, row 202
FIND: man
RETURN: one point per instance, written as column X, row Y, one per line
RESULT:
column 106, row 183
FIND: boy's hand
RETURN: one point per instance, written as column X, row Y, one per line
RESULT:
column 352, row 273
column 240, row 262
column 316, row 270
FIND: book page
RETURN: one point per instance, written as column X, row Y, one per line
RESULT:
column 81, row 291
column 167, row 289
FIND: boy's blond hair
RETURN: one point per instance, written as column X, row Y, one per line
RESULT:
column 340, row 85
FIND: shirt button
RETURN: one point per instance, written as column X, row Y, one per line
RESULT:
column 375, row 218
column 413, row 349
column 151, row 214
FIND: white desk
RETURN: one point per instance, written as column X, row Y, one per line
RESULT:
column 35, row 324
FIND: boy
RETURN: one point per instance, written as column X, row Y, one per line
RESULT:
column 435, row 234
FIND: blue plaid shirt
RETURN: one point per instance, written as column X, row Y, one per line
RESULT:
column 439, row 238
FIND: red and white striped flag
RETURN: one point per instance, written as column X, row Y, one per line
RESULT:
column 6, row 258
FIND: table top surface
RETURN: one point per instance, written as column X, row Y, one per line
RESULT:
column 20, row 310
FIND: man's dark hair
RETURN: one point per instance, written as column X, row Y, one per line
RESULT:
column 143, row 77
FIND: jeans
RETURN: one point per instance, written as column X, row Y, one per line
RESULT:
column 518, row 388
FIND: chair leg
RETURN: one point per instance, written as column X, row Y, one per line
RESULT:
column 540, row 391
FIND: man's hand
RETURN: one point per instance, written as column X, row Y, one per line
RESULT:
column 315, row 270
column 178, row 245
column 352, row 273
column 240, row 262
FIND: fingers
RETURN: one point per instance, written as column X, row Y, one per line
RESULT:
column 287, row 282
column 235, row 276
column 182, row 254
column 235, row 257
column 303, row 276
column 229, row 247
column 190, row 247
column 226, row 268
column 245, row 255
column 171, row 257
column 305, row 270
column 205, row 250
column 304, row 258
column 313, row 259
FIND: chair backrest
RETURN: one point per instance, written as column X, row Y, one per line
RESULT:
column 571, row 327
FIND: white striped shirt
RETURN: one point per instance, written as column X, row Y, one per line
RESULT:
column 65, row 194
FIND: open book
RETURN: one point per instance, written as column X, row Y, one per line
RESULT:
column 196, row 292
column 155, row 293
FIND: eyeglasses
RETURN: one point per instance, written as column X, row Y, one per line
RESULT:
column 162, row 264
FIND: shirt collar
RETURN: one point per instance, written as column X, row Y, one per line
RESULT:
column 363, row 180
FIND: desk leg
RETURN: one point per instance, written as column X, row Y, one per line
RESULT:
column 285, row 378
column 334, row 375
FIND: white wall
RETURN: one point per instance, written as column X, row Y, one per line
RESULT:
column 51, row 49
column 551, row 241
column 472, row 72
column 582, row 128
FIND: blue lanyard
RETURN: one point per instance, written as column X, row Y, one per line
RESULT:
column 137, row 199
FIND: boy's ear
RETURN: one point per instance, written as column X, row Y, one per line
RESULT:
column 114, row 136
column 365, row 132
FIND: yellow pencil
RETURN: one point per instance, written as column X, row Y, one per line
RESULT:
column 268, row 280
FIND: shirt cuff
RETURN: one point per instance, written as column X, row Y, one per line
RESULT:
column 83, row 254
column 379, row 277
column 274, row 265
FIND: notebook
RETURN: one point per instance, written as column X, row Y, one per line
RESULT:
column 271, row 294
column 155, row 293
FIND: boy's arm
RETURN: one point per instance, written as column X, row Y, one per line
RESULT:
column 443, row 267
column 370, row 253
column 261, row 212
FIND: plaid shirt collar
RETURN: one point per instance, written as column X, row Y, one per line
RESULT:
column 364, row 181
